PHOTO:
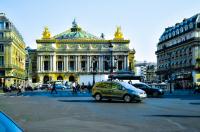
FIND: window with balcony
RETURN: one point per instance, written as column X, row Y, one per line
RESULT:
column 120, row 66
column 1, row 60
column 83, row 65
column 95, row 63
column 1, row 34
column 60, row 67
column 46, row 65
column 71, row 66
column 106, row 66
column 7, row 25
column 1, row 48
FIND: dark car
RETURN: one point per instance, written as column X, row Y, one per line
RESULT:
column 7, row 124
column 155, row 92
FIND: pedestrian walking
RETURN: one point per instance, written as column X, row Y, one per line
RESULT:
column 89, row 87
column 74, row 87
column 77, row 87
column 82, row 87
column 19, row 88
column 54, row 88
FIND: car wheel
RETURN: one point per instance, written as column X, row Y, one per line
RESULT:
column 127, row 98
column 98, row 97
column 155, row 94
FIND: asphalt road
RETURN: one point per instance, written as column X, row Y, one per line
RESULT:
column 83, row 114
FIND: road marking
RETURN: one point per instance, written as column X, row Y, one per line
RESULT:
column 176, row 124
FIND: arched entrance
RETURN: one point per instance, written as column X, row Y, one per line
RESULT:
column 45, row 79
column 71, row 78
column 59, row 78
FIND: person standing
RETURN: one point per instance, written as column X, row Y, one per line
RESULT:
column 54, row 88
column 89, row 87
column 82, row 87
column 19, row 90
column 74, row 87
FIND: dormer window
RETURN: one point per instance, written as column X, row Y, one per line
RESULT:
column 173, row 33
column 170, row 35
column 177, row 31
column 166, row 36
column 181, row 29
column 191, row 25
column 186, row 27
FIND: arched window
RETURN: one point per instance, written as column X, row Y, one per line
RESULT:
column 45, row 79
column 71, row 78
column 59, row 78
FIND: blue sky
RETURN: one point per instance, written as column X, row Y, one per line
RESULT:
column 142, row 21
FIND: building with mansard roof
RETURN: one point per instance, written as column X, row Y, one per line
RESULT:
column 178, row 53
column 76, row 55
column 12, row 54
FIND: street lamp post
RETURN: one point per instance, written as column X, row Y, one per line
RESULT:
column 93, row 71
column 111, row 61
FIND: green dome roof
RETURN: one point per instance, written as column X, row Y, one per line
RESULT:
column 75, row 33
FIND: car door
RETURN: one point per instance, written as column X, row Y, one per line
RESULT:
column 117, row 90
column 106, row 89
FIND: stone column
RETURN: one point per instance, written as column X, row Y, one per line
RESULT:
column 88, row 63
column 38, row 63
column 124, row 62
column 117, row 64
column 64, row 64
column 76, row 63
column 50, row 60
column 42, row 63
column 67, row 63
column 54, row 62
column 100, row 64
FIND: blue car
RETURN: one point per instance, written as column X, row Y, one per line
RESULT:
column 7, row 124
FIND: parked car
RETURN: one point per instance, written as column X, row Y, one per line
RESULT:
column 60, row 86
column 44, row 86
column 149, row 90
column 117, row 90
column 8, row 125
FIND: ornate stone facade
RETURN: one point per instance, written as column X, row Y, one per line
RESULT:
column 78, row 55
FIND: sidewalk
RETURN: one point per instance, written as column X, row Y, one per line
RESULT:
column 60, row 93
